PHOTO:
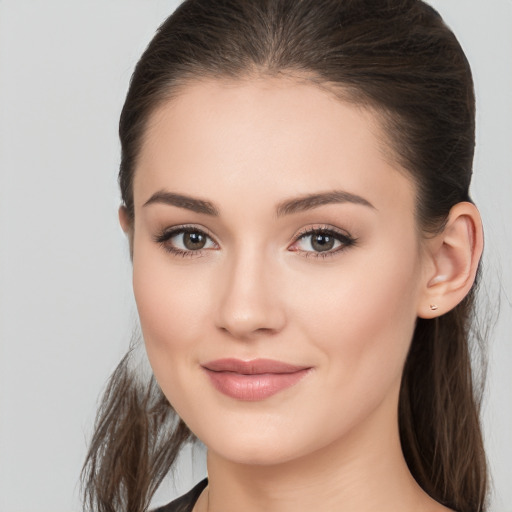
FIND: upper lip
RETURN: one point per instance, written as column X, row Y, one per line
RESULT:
column 252, row 367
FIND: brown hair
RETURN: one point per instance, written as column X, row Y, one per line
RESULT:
column 398, row 58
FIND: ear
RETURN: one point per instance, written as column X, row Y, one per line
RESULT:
column 124, row 219
column 126, row 225
column 452, row 261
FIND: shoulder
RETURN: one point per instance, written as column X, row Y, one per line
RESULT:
column 186, row 502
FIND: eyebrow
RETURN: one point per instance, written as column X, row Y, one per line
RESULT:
column 310, row 201
column 287, row 207
column 182, row 201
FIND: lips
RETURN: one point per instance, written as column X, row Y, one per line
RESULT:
column 253, row 380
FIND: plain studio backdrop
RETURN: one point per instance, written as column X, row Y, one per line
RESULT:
column 66, row 306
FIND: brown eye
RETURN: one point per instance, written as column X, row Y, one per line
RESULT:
column 194, row 240
column 185, row 241
column 322, row 242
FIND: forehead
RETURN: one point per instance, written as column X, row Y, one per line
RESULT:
column 266, row 137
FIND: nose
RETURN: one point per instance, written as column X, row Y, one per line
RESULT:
column 249, row 303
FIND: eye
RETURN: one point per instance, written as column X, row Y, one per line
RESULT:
column 322, row 242
column 185, row 241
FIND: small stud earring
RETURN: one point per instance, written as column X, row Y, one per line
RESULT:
column 433, row 307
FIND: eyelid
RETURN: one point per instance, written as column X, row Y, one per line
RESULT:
column 322, row 228
column 344, row 237
column 173, row 230
column 169, row 232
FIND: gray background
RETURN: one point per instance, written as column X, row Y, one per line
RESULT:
column 66, row 307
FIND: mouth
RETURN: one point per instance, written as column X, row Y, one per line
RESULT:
column 253, row 380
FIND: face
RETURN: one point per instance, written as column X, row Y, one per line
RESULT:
column 277, row 267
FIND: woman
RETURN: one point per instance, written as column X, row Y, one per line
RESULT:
column 295, row 181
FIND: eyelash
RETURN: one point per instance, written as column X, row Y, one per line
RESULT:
column 344, row 238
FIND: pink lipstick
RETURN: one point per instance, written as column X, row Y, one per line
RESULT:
column 253, row 380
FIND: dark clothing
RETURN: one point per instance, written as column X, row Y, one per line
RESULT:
column 186, row 502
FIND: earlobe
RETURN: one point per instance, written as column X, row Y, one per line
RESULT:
column 455, row 254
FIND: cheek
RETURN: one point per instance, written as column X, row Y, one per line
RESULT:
column 362, row 318
column 172, row 306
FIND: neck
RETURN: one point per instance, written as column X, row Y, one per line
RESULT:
column 363, row 471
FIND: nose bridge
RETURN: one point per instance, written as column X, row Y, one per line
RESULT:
column 249, row 300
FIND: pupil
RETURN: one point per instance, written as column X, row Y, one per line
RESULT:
column 322, row 242
column 194, row 241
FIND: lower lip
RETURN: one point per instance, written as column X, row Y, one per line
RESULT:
column 254, row 387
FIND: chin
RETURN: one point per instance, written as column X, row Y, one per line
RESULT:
column 255, row 455
column 259, row 449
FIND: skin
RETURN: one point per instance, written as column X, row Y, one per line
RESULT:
column 257, row 290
